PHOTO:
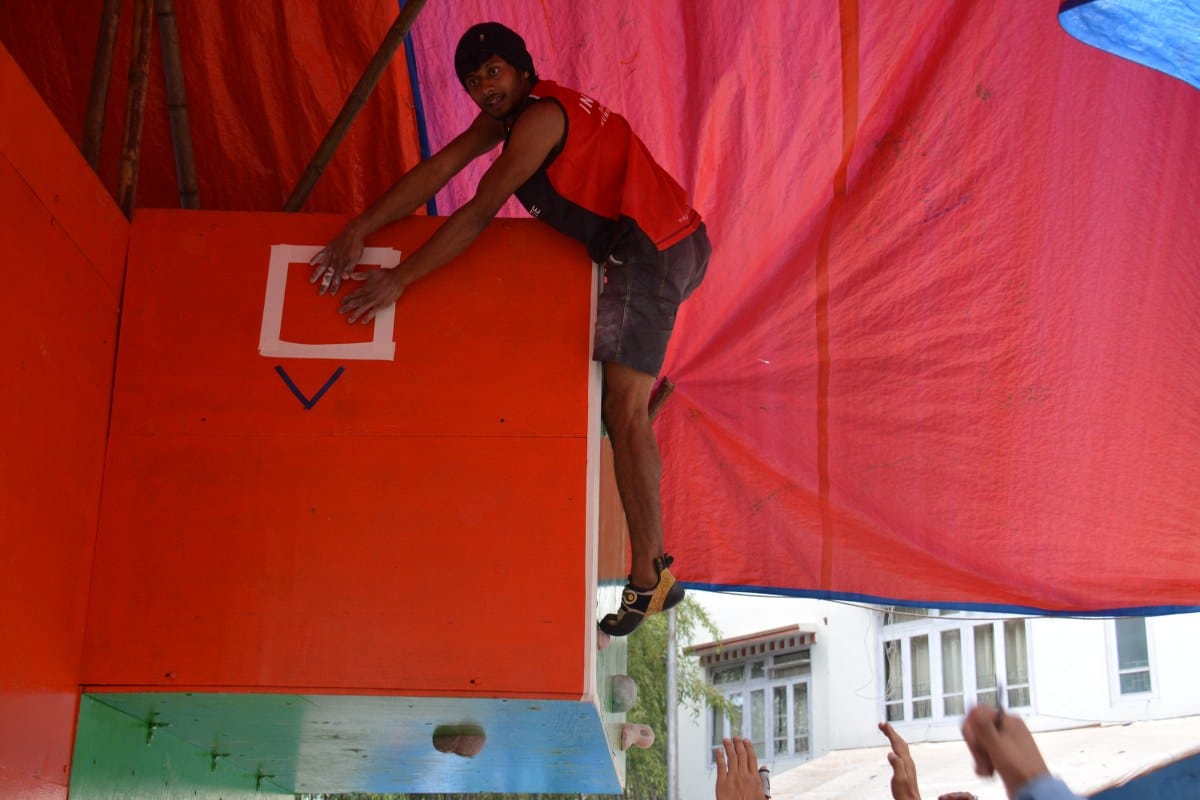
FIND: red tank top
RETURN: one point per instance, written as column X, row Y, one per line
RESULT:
column 603, row 187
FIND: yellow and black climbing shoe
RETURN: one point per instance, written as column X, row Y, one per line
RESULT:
column 637, row 604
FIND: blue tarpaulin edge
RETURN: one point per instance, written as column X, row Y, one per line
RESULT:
column 996, row 608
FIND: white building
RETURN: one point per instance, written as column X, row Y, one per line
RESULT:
column 809, row 677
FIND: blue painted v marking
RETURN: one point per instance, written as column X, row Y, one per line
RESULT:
column 308, row 404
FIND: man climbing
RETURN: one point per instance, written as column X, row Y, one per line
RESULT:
column 578, row 167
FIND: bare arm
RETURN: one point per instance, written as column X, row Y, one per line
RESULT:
column 423, row 181
column 538, row 131
column 338, row 259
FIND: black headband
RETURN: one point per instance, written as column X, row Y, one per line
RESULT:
column 487, row 39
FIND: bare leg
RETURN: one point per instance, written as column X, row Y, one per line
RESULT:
column 637, row 464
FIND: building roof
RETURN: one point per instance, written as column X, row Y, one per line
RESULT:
column 789, row 637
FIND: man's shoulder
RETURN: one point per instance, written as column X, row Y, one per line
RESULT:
column 539, row 127
column 543, row 111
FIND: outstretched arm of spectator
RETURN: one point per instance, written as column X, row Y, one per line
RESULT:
column 904, row 771
column 1000, row 743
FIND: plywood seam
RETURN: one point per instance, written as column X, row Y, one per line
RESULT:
column 55, row 220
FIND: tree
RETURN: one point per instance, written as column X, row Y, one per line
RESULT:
column 646, row 770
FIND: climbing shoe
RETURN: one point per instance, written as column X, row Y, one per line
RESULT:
column 637, row 604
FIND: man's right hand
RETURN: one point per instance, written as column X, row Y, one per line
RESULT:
column 334, row 262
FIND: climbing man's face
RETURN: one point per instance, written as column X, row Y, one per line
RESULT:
column 496, row 87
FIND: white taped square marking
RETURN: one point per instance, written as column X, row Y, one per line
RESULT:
column 382, row 346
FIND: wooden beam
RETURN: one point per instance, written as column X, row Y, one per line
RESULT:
column 135, row 107
column 177, row 107
column 358, row 97
column 93, row 126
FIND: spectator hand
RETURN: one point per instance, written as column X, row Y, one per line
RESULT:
column 1001, row 743
column 904, row 771
column 737, row 772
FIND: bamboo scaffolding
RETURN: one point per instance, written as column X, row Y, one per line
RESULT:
column 135, row 106
column 354, row 103
column 177, row 107
column 93, row 127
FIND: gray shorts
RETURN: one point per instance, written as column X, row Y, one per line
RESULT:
column 640, row 297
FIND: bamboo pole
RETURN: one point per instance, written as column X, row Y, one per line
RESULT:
column 177, row 107
column 354, row 103
column 135, row 107
column 93, row 126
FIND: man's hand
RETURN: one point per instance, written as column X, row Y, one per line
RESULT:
column 1001, row 743
column 904, row 771
column 383, row 288
column 335, row 262
column 737, row 772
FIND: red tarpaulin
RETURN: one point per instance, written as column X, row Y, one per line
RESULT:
column 947, row 348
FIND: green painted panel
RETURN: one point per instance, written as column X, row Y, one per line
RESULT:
column 114, row 761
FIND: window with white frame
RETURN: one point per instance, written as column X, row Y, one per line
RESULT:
column 952, row 673
column 985, row 664
column 1016, row 664
column 1133, row 656
column 893, row 680
column 936, row 667
column 768, row 698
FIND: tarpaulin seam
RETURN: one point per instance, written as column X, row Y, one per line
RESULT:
column 410, row 58
column 848, row 20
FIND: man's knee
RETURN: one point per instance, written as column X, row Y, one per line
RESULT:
column 621, row 411
column 625, row 404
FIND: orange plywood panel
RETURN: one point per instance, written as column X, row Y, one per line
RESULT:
column 420, row 528
column 409, row 564
column 53, row 168
column 35, row 740
column 613, row 555
column 53, row 415
column 494, row 344
column 59, row 335
column 18, row 786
